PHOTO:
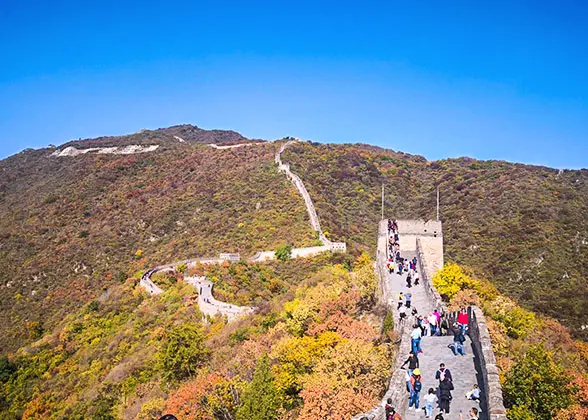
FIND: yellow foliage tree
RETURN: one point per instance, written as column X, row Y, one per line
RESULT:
column 451, row 279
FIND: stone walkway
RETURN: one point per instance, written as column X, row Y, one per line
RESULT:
column 436, row 351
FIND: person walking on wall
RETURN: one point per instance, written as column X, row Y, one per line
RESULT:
column 443, row 373
column 463, row 320
column 445, row 388
column 415, row 389
column 408, row 299
column 415, row 337
column 391, row 413
column 474, row 414
column 458, row 340
column 430, row 399
column 433, row 323
column 402, row 313
column 412, row 361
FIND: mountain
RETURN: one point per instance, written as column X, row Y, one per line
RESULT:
column 521, row 226
column 80, row 223
column 71, row 226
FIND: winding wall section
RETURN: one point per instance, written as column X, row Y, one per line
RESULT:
column 209, row 305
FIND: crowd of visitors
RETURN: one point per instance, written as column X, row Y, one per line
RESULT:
column 434, row 323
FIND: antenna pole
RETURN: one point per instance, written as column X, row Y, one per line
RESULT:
column 382, row 201
column 437, row 203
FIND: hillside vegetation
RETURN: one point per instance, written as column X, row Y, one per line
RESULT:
column 313, row 349
column 72, row 226
column 522, row 227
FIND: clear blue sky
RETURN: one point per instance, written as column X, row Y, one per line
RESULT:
column 507, row 80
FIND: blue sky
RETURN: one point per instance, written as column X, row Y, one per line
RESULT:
column 507, row 80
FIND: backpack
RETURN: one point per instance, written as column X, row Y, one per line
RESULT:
column 418, row 385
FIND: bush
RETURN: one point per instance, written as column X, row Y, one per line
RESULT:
column 451, row 279
column 388, row 323
column 284, row 252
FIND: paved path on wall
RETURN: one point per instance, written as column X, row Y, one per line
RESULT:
column 209, row 305
column 436, row 351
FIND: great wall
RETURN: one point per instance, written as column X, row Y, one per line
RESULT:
column 209, row 305
column 424, row 240
column 420, row 239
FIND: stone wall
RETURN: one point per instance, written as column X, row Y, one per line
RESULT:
column 478, row 332
column 427, row 278
column 397, row 385
column 314, row 220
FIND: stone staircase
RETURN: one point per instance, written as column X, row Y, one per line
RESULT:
column 476, row 367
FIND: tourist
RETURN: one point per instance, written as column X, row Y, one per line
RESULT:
column 400, row 300
column 415, row 336
column 408, row 279
column 474, row 394
column 474, row 414
column 402, row 312
column 390, row 265
column 430, row 399
column 413, row 363
column 438, row 316
column 391, row 413
column 463, row 320
column 432, row 323
column 443, row 373
column 416, row 278
column 408, row 299
column 445, row 388
column 415, row 389
column 426, row 326
column 444, row 325
column 421, row 324
column 458, row 340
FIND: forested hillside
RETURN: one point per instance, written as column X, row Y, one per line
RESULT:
column 71, row 226
column 79, row 339
column 521, row 226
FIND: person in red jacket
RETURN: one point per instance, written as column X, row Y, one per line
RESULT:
column 463, row 320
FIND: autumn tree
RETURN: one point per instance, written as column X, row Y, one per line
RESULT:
column 536, row 387
column 261, row 400
column 183, row 351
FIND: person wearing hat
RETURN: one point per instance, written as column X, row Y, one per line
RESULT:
column 415, row 389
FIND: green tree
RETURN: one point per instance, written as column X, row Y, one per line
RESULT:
column 260, row 400
column 6, row 368
column 388, row 323
column 183, row 351
column 536, row 387
column 284, row 252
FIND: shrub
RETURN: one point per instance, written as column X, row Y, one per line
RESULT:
column 451, row 279
column 284, row 252
column 388, row 323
